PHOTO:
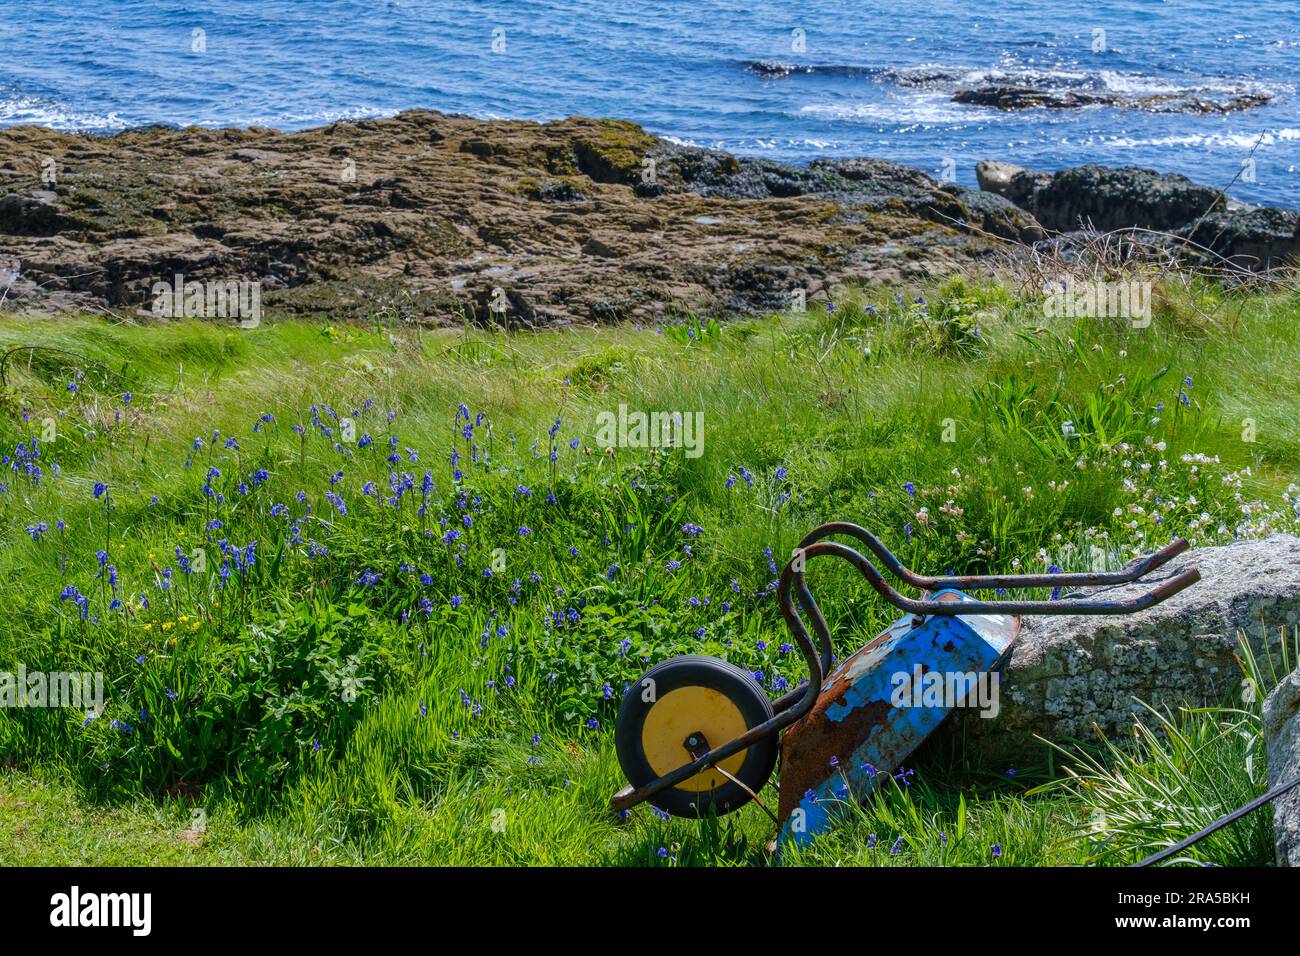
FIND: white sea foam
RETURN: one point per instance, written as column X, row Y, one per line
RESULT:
column 748, row 145
column 1242, row 141
column 311, row 118
column 924, row 109
column 35, row 111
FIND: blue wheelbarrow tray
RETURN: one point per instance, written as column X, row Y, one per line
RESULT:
column 855, row 735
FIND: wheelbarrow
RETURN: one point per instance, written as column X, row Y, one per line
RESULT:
column 697, row 735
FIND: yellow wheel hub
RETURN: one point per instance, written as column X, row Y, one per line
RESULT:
column 682, row 712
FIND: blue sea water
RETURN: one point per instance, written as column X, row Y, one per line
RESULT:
column 871, row 78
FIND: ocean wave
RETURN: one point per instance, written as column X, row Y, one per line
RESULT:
column 921, row 110
column 779, row 68
column 308, row 118
column 1234, row 141
column 747, row 144
column 19, row 110
column 950, row 79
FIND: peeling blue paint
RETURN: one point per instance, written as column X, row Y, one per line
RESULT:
column 864, row 684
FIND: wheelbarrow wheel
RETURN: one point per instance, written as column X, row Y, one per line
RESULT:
column 687, row 697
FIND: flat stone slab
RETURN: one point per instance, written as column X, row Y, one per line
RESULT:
column 1067, row 674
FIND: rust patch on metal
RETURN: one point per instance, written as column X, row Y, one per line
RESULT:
column 808, row 746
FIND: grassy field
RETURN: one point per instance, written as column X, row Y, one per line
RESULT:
column 371, row 595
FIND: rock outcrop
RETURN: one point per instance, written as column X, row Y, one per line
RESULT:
column 435, row 218
column 1069, row 676
column 1028, row 97
column 1105, row 199
column 1282, row 737
column 1021, row 89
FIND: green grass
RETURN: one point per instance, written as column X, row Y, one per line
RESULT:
column 354, row 689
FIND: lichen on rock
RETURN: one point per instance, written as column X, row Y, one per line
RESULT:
column 1282, row 740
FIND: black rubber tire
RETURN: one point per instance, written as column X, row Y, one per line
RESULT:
column 695, row 670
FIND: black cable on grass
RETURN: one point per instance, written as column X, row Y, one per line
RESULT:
column 1222, row 822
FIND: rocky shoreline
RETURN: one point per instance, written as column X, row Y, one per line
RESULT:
column 1029, row 89
column 438, row 218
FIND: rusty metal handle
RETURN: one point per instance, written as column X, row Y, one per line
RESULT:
column 823, row 630
column 1166, row 589
column 1130, row 572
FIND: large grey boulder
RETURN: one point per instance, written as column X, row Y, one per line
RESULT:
column 995, row 177
column 1282, row 737
column 1067, row 674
